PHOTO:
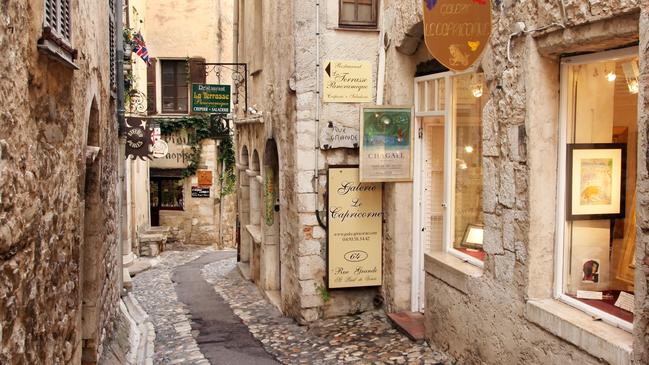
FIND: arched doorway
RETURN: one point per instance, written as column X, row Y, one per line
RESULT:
column 245, row 245
column 254, row 229
column 93, row 218
column 270, row 250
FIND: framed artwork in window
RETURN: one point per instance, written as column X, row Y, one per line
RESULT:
column 596, row 181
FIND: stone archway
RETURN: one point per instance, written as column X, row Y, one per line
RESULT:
column 270, row 250
column 93, row 218
column 245, row 243
column 254, row 228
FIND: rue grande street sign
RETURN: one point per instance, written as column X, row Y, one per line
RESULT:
column 456, row 32
column 207, row 98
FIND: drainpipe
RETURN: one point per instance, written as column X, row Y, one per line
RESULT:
column 317, row 102
column 121, row 164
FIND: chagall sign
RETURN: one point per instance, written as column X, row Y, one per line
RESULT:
column 355, row 221
column 456, row 32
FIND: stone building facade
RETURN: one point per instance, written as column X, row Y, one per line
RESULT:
column 512, row 295
column 179, row 39
column 59, row 253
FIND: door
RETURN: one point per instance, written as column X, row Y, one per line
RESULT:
column 155, row 202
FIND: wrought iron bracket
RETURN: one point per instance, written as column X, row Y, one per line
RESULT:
column 239, row 78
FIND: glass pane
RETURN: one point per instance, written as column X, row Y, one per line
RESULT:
column 365, row 13
column 172, row 193
column 467, row 231
column 600, row 250
column 433, row 183
column 154, row 193
column 431, row 95
column 347, row 12
column 421, row 95
column 182, row 105
column 441, row 94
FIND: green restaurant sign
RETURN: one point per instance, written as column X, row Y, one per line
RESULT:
column 210, row 98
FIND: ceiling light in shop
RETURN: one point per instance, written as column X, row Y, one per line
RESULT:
column 611, row 76
column 468, row 149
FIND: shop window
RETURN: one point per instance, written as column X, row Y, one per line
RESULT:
column 175, row 90
column 167, row 193
column 358, row 13
column 466, row 222
column 597, row 228
column 449, row 109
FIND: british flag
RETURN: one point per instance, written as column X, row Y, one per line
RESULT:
column 140, row 48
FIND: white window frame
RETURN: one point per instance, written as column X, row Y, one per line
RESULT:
column 449, row 171
column 560, row 240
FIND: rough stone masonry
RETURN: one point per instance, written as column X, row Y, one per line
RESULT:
column 49, row 259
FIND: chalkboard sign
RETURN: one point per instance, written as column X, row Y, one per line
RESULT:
column 199, row 192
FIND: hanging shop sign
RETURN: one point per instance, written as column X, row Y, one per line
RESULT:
column 200, row 192
column 138, row 138
column 456, row 32
column 204, row 177
column 208, row 98
column 347, row 82
column 160, row 149
column 354, row 238
column 336, row 135
column 386, row 144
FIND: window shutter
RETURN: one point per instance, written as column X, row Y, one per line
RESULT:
column 196, row 74
column 197, row 70
column 64, row 19
column 57, row 18
column 151, row 88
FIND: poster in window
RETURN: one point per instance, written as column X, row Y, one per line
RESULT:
column 355, row 221
column 596, row 181
column 386, row 144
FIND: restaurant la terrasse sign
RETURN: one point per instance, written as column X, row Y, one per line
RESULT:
column 354, row 230
column 456, row 32
column 208, row 98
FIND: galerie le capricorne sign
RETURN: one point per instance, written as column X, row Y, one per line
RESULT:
column 456, row 32
column 354, row 227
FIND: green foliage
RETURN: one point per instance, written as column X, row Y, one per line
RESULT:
column 201, row 127
column 324, row 293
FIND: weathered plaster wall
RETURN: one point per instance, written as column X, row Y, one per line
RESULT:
column 197, row 28
column 43, row 129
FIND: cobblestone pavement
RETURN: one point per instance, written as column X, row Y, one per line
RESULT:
column 154, row 290
column 367, row 338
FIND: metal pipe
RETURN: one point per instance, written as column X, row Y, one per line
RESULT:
column 317, row 102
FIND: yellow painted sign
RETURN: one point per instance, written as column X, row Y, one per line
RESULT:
column 348, row 82
column 456, row 32
column 354, row 230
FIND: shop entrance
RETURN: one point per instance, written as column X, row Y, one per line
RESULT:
column 447, row 190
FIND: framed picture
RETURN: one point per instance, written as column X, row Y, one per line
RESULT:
column 386, row 144
column 596, row 181
column 473, row 236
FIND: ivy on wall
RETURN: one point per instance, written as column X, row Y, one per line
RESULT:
column 199, row 128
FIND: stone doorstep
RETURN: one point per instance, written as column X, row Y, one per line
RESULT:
column 410, row 324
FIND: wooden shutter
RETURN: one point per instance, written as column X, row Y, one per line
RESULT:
column 197, row 70
column 196, row 74
column 151, row 88
column 112, row 45
column 57, row 18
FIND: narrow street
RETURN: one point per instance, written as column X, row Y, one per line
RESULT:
column 229, row 322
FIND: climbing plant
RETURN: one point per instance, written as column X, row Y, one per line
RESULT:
column 200, row 127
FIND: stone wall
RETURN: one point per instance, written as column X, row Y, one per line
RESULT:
column 46, row 263
column 641, row 325
column 486, row 319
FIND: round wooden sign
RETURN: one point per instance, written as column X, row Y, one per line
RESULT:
column 456, row 32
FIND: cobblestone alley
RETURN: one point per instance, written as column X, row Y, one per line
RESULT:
column 367, row 338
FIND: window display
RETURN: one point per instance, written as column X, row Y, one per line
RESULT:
column 601, row 144
column 469, row 98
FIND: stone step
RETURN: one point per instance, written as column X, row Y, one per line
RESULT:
column 410, row 324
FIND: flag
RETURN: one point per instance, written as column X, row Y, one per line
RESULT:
column 140, row 48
